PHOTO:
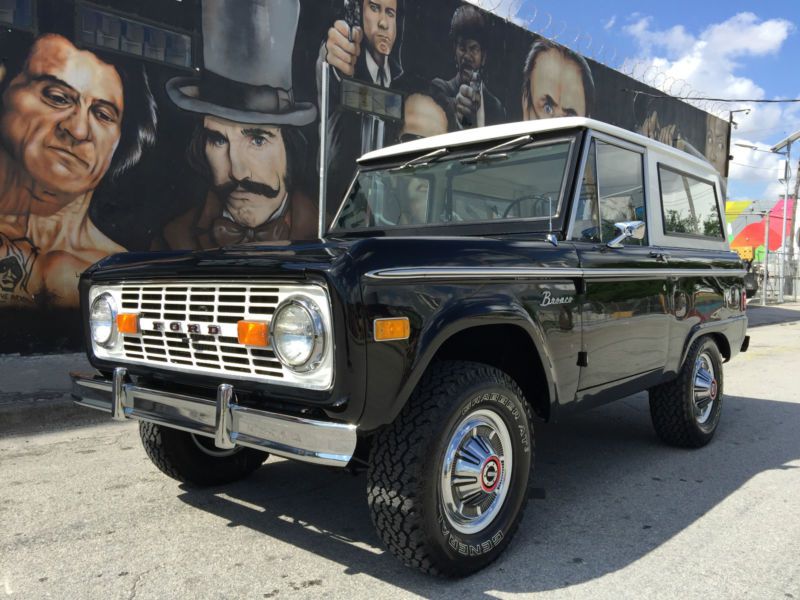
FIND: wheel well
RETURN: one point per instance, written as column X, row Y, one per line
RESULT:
column 508, row 348
column 723, row 345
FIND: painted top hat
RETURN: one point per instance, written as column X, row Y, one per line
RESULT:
column 247, row 55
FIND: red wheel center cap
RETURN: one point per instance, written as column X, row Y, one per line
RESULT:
column 491, row 473
column 714, row 389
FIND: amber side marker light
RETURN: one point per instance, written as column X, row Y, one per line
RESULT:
column 128, row 323
column 253, row 333
column 392, row 329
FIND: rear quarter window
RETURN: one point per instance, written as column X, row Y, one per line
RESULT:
column 689, row 205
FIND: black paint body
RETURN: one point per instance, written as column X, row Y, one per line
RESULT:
column 635, row 331
column 603, row 330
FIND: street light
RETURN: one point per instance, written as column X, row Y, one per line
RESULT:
column 787, row 176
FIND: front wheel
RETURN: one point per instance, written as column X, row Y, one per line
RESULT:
column 686, row 411
column 448, row 480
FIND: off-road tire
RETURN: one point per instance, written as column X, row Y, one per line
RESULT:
column 176, row 454
column 672, row 403
column 404, row 477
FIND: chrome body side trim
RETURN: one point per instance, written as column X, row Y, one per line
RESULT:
column 228, row 423
column 473, row 273
column 544, row 273
column 660, row 273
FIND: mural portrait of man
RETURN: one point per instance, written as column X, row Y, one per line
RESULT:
column 556, row 82
column 467, row 93
column 247, row 143
column 67, row 119
column 379, row 32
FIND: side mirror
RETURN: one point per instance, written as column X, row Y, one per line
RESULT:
column 627, row 229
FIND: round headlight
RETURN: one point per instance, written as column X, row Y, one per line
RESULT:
column 297, row 332
column 102, row 320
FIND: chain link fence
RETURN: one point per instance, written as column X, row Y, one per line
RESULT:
column 769, row 292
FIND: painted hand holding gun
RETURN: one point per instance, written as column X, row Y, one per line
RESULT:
column 468, row 101
column 343, row 45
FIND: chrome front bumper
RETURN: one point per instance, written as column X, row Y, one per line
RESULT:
column 228, row 423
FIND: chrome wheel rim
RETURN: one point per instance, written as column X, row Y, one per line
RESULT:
column 476, row 471
column 206, row 446
column 705, row 388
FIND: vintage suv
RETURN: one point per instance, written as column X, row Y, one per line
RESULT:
column 468, row 283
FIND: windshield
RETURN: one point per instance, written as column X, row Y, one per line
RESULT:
column 520, row 184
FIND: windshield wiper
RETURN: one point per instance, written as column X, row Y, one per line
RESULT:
column 495, row 151
column 423, row 160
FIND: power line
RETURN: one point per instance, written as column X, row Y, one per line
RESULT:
column 775, row 168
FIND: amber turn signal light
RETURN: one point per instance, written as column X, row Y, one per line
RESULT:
column 392, row 329
column 253, row 333
column 128, row 323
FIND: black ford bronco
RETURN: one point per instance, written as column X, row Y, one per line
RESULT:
column 468, row 284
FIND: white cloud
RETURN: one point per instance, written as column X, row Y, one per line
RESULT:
column 709, row 64
column 757, row 164
column 610, row 23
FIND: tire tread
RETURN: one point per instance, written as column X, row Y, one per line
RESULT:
column 671, row 414
column 395, row 463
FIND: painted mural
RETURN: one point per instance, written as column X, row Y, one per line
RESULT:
column 747, row 226
column 141, row 126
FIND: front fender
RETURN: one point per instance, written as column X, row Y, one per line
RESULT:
column 395, row 368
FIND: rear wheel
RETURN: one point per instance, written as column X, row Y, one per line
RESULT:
column 447, row 482
column 195, row 459
column 686, row 411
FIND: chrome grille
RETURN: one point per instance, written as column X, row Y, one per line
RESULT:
column 193, row 326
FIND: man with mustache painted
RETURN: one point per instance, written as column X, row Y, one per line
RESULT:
column 251, row 195
column 68, row 118
column 247, row 145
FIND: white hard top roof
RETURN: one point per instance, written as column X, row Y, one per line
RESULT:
column 509, row 130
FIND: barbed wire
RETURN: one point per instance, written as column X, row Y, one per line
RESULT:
column 542, row 23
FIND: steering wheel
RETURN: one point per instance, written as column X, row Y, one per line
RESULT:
column 520, row 200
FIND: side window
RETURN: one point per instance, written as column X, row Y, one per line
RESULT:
column 689, row 205
column 612, row 191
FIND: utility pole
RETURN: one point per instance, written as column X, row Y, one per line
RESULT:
column 794, row 231
column 766, row 258
column 787, row 143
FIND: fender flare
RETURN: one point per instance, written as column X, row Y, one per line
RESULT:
column 459, row 317
column 715, row 327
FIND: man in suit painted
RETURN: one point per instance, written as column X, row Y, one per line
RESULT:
column 379, row 32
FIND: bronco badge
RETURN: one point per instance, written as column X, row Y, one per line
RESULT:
column 548, row 300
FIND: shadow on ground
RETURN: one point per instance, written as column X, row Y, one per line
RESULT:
column 609, row 493
column 758, row 316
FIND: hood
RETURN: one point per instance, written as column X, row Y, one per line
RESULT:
column 278, row 259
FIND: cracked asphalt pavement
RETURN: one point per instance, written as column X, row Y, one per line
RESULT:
column 614, row 513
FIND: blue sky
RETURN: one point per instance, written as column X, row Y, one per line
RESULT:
column 733, row 49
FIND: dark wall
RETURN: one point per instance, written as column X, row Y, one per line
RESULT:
column 154, row 124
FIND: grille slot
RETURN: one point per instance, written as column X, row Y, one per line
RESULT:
column 162, row 307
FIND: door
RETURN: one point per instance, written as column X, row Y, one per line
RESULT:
column 625, row 315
